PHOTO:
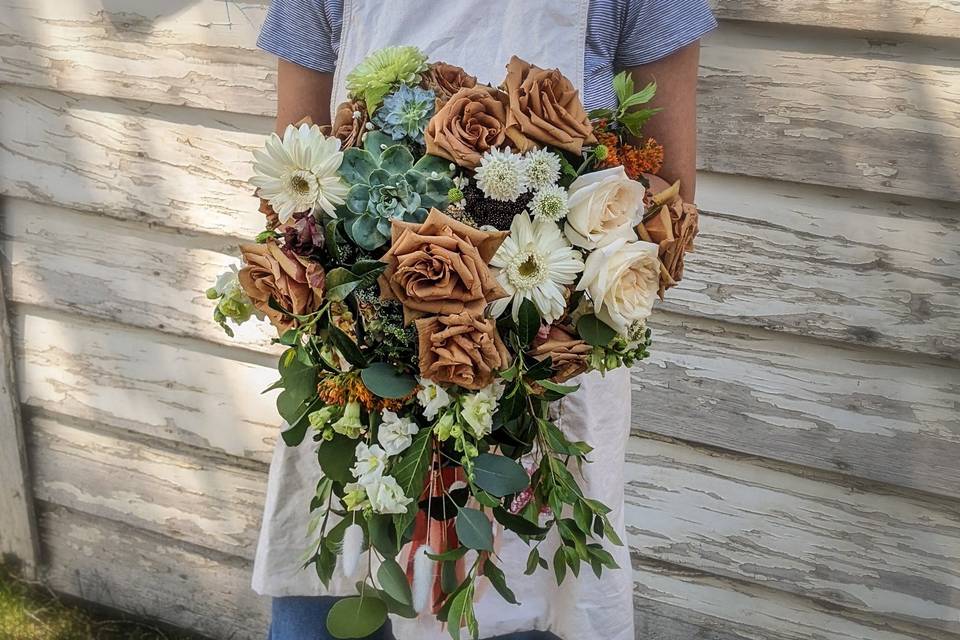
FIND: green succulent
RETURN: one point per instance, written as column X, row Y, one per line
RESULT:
column 386, row 184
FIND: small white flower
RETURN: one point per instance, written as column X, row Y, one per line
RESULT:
column 386, row 496
column 536, row 263
column 460, row 182
column 368, row 468
column 355, row 496
column 395, row 433
column 479, row 407
column 543, row 168
column 432, row 397
column 300, row 171
column 550, row 203
column 502, row 175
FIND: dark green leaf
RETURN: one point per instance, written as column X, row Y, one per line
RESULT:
column 393, row 581
column 347, row 347
column 559, row 565
column 532, row 561
column 330, row 240
column 474, row 529
column 595, row 331
column 325, row 562
column 498, row 580
column 499, row 475
column 336, row 456
column 541, row 370
column 518, row 524
column 457, row 612
column 561, row 389
column 452, row 554
column 583, row 516
column 397, row 608
column 356, row 617
column 611, row 535
column 528, row 322
column 448, row 576
column 386, row 381
column 572, row 560
column 598, row 114
column 410, row 472
column 380, row 529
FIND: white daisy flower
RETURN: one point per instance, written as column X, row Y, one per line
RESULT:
column 299, row 172
column 535, row 263
column 543, row 168
column 550, row 203
column 502, row 175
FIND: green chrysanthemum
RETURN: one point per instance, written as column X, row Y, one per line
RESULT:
column 373, row 78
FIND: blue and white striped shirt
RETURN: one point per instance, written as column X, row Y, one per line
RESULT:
column 620, row 34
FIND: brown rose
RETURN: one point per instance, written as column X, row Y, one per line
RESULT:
column 446, row 79
column 461, row 348
column 471, row 122
column 440, row 266
column 545, row 108
column 349, row 123
column 670, row 223
column 270, row 272
column 568, row 355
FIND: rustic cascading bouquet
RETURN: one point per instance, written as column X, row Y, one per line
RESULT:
column 438, row 266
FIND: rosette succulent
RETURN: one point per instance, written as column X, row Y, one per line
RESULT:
column 405, row 113
column 382, row 70
column 387, row 185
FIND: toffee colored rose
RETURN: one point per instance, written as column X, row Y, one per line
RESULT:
column 270, row 272
column 462, row 348
column 672, row 225
column 545, row 108
column 471, row 122
column 446, row 79
column 440, row 267
column 349, row 123
column 568, row 355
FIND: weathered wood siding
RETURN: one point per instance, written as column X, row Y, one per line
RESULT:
column 794, row 467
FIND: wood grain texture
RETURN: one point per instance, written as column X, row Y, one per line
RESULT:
column 178, row 390
column 886, row 553
column 185, row 493
column 156, row 164
column 18, row 534
column 130, row 569
column 913, row 17
column 854, row 112
column 843, row 265
column 869, row 413
column 842, row 110
column 830, row 263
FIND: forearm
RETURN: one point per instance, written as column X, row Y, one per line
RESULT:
column 302, row 93
column 675, row 127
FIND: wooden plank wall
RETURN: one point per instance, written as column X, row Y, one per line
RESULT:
column 793, row 470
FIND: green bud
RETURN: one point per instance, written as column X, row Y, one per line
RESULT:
column 263, row 236
column 600, row 152
column 212, row 294
column 455, row 194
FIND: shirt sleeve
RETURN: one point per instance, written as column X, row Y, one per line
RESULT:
column 653, row 29
column 299, row 31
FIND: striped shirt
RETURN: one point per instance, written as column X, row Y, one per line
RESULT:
column 620, row 34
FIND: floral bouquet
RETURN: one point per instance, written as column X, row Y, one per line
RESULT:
column 439, row 265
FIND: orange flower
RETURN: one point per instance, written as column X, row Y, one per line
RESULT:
column 339, row 389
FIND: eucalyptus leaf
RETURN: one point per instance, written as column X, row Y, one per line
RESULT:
column 393, row 581
column 386, row 381
column 474, row 529
column 499, row 475
column 493, row 573
column 380, row 530
column 356, row 617
column 336, row 457
column 518, row 524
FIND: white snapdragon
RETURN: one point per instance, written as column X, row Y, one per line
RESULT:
column 368, row 468
column 432, row 397
column 478, row 409
column 396, row 433
column 386, row 496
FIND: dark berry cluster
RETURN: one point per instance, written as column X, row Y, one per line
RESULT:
column 495, row 213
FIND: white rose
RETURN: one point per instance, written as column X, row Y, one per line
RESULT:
column 386, row 496
column 395, row 433
column 604, row 206
column 432, row 397
column 622, row 280
column 369, row 465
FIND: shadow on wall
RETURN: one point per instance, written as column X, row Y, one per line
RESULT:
column 134, row 20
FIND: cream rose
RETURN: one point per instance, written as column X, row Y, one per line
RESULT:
column 604, row 206
column 622, row 279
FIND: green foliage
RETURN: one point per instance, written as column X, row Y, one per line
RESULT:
column 594, row 331
column 499, row 475
column 474, row 529
column 410, row 473
column 386, row 381
column 296, row 401
column 393, row 580
column 356, row 617
column 626, row 115
column 336, row 457
column 341, row 282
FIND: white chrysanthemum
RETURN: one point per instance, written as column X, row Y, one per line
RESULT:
column 543, row 169
column 550, row 203
column 535, row 262
column 299, row 171
column 502, row 175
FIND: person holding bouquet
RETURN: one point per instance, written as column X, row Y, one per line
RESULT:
column 589, row 41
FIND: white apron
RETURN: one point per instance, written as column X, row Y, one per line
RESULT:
column 550, row 35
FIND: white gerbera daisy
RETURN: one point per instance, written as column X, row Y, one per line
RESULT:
column 543, row 168
column 502, row 175
column 550, row 203
column 535, row 263
column 299, row 172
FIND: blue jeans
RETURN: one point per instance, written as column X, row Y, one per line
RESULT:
column 304, row 618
